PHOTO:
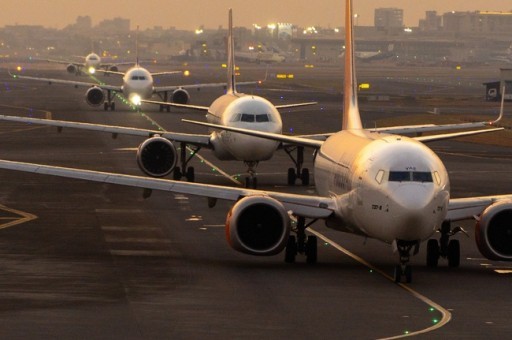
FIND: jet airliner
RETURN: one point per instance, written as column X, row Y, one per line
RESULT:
column 92, row 62
column 380, row 185
column 157, row 156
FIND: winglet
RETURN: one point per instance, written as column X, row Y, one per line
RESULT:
column 351, row 116
column 501, row 108
column 231, row 88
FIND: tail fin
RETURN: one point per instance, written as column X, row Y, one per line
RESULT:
column 137, row 47
column 231, row 88
column 351, row 116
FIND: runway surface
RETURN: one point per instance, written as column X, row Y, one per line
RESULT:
column 87, row 260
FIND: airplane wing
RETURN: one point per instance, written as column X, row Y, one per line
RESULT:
column 165, row 73
column 197, row 86
column 287, row 106
column 268, row 135
column 51, row 81
column 302, row 205
column 466, row 208
column 205, row 108
column 183, row 106
column 64, row 62
column 195, row 139
column 317, row 142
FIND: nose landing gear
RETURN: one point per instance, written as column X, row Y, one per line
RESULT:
column 403, row 270
column 251, row 181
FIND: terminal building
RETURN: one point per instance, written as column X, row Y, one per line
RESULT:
column 494, row 89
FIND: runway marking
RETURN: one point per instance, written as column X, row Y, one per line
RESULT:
column 12, row 221
column 140, row 252
column 446, row 315
column 122, row 228
column 112, row 239
column 503, row 271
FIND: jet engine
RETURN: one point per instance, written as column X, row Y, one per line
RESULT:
column 94, row 96
column 71, row 68
column 180, row 96
column 157, row 157
column 113, row 69
column 493, row 232
column 258, row 225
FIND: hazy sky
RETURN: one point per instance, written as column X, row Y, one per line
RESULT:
column 190, row 14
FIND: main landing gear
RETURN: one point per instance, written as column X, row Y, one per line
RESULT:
column 302, row 244
column 109, row 103
column 183, row 170
column 403, row 270
column 298, row 172
column 445, row 248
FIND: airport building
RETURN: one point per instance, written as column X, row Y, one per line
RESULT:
column 494, row 89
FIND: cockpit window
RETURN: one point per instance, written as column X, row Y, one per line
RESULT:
column 262, row 118
column 421, row 176
column 250, row 118
column 138, row 78
column 380, row 176
column 247, row 118
column 410, row 176
column 399, row 176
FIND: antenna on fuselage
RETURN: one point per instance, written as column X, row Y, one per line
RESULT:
column 351, row 116
column 231, row 86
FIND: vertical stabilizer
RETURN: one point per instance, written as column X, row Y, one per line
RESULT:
column 137, row 47
column 231, row 88
column 351, row 116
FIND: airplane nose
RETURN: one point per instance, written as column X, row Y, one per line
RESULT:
column 413, row 217
column 412, row 197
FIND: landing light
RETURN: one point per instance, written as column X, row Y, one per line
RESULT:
column 92, row 70
column 135, row 99
column 186, row 73
column 19, row 68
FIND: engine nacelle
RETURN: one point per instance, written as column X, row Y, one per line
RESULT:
column 180, row 96
column 113, row 69
column 94, row 96
column 157, row 157
column 493, row 233
column 71, row 68
column 258, row 225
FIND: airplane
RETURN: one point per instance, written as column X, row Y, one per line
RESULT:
column 137, row 84
column 157, row 156
column 92, row 62
column 384, row 186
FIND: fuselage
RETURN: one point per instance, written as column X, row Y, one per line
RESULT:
column 389, row 187
column 92, row 62
column 248, row 112
column 137, row 81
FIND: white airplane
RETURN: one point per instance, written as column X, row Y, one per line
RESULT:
column 137, row 85
column 92, row 62
column 157, row 156
column 379, row 185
